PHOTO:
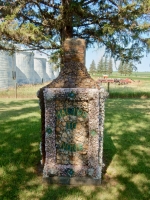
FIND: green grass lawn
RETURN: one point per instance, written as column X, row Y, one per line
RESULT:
column 126, row 154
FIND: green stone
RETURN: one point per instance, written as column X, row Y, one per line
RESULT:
column 70, row 111
column 49, row 130
column 71, row 148
column 71, row 125
column 63, row 113
column 65, row 110
column 93, row 132
column 68, row 147
column 74, row 125
column 74, row 148
column 69, row 172
column 79, row 112
column 71, row 95
column 84, row 115
column 65, row 146
column 58, row 114
column 79, row 147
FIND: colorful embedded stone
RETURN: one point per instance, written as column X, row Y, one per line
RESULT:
column 70, row 125
column 71, row 95
column 93, row 132
column 70, row 111
column 69, row 172
column 49, row 130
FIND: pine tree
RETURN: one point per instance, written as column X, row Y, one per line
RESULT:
column 100, row 66
column 110, row 66
column 106, row 65
column 125, row 69
column 120, row 68
column 45, row 24
column 130, row 68
column 92, row 69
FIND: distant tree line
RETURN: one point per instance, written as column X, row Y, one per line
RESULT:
column 126, row 68
column 105, row 66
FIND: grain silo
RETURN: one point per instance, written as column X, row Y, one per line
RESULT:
column 37, row 77
column 40, row 69
column 7, row 70
column 49, row 70
column 25, row 68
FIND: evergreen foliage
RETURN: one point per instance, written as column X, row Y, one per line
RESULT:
column 120, row 68
column 100, row 66
column 125, row 68
column 92, row 69
column 45, row 24
column 110, row 67
column 130, row 68
column 105, row 66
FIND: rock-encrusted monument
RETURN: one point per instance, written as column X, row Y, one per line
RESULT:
column 72, row 116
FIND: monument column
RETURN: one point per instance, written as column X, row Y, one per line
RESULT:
column 72, row 111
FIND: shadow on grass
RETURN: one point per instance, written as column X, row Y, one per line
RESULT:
column 20, row 136
column 126, row 154
column 127, row 123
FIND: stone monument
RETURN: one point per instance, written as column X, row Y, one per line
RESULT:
column 72, row 116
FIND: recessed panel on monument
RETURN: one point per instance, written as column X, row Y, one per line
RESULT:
column 71, row 131
column 73, row 140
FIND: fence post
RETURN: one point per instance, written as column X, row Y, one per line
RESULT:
column 108, row 87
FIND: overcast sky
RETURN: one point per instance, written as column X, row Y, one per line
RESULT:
column 96, row 54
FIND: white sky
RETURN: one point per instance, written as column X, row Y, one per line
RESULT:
column 96, row 54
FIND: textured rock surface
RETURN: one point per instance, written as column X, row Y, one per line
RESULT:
column 72, row 114
column 74, row 132
column 71, row 132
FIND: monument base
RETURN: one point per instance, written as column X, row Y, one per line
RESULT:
column 76, row 181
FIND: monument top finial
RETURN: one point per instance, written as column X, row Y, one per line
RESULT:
column 74, row 50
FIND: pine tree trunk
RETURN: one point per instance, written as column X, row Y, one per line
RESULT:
column 67, row 30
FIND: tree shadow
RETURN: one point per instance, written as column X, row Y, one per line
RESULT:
column 20, row 135
column 108, row 151
column 127, row 123
column 126, row 154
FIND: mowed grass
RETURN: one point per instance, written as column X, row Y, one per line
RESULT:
column 126, row 154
